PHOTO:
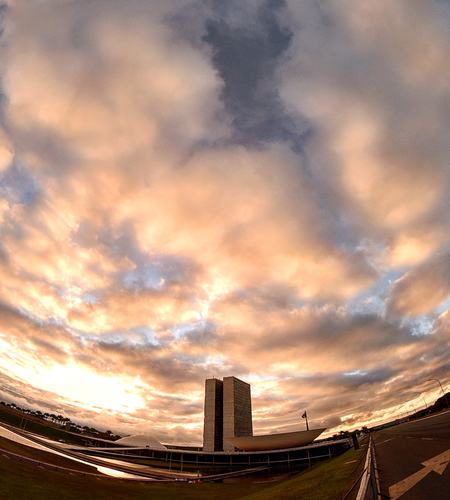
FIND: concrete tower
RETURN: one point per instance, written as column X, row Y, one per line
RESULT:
column 237, row 410
column 228, row 413
column 213, row 415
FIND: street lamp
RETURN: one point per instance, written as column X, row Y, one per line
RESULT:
column 440, row 385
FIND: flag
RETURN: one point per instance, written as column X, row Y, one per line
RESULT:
column 304, row 415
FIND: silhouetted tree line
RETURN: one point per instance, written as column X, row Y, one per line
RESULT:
column 63, row 422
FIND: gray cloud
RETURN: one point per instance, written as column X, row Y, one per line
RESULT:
column 247, row 42
column 423, row 288
column 18, row 186
column 362, row 82
column 190, row 189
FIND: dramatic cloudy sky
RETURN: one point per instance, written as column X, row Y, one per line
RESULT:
column 197, row 188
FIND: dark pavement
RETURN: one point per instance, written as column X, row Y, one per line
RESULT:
column 413, row 459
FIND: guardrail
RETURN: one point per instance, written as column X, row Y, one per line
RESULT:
column 369, row 487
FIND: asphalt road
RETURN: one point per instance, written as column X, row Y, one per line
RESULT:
column 413, row 459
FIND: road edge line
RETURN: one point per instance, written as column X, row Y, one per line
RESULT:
column 365, row 478
column 377, row 476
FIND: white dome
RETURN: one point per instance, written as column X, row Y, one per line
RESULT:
column 141, row 440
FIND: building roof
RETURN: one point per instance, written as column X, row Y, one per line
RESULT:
column 275, row 441
column 141, row 440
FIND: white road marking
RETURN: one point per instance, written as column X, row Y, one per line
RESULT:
column 385, row 441
column 436, row 464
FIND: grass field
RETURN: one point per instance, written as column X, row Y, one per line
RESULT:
column 329, row 480
column 20, row 480
column 42, row 456
column 27, row 481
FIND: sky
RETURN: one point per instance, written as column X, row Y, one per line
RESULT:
column 192, row 189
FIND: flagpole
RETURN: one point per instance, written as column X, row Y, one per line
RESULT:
column 305, row 415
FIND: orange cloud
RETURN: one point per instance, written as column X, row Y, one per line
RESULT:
column 148, row 243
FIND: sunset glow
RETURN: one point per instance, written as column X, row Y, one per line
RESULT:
column 193, row 188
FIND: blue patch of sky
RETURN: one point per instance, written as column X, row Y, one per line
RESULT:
column 372, row 300
column 156, row 272
column 18, row 186
column 139, row 336
column 147, row 334
column 89, row 298
column 179, row 331
column 151, row 271
column 419, row 326
column 424, row 324
column 200, row 327
column 144, row 277
column 443, row 306
column 356, row 373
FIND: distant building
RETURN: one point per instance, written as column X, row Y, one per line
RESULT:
column 228, row 413
column 228, row 440
column 213, row 415
column 237, row 410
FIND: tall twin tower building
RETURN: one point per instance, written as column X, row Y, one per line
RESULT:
column 228, row 413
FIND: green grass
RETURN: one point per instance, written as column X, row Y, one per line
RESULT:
column 42, row 456
column 328, row 480
column 21, row 480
